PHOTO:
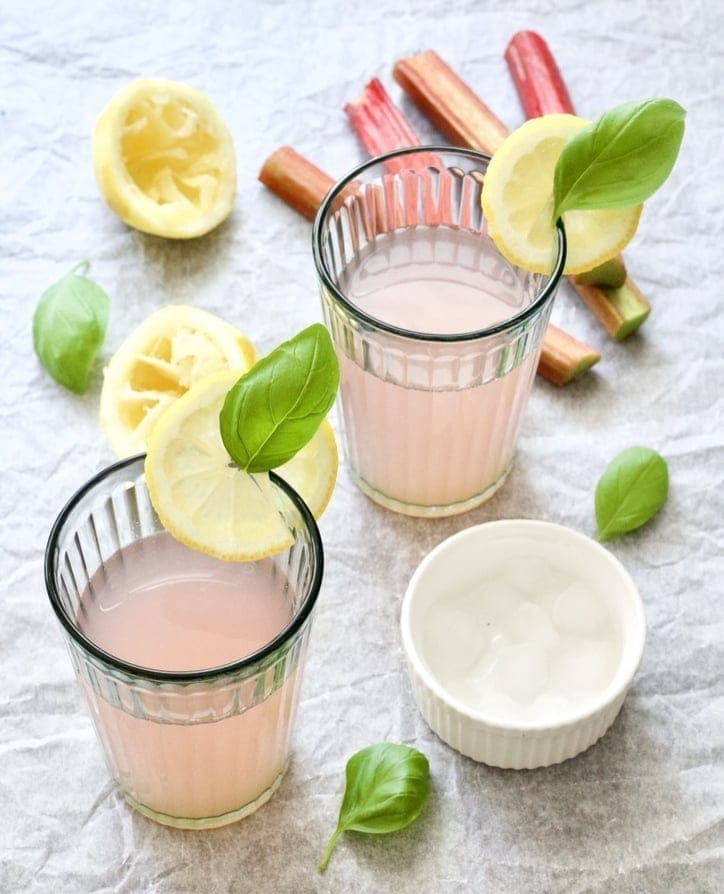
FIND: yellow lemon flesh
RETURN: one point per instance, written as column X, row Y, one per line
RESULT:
column 164, row 159
column 518, row 203
column 208, row 503
column 172, row 349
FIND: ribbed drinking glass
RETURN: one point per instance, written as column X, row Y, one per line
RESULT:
column 193, row 748
column 438, row 335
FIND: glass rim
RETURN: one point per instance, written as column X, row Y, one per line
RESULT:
column 504, row 325
column 161, row 676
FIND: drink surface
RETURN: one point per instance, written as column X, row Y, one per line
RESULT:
column 434, row 280
column 160, row 605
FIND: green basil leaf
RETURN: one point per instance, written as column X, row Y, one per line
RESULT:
column 69, row 326
column 387, row 786
column 621, row 159
column 276, row 407
column 631, row 490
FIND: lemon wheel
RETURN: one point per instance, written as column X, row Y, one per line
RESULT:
column 518, row 203
column 209, row 504
column 164, row 159
column 172, row 349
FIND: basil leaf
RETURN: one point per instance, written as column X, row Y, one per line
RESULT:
column 69, row 326
column 631, row 490
column 621, row 159
column 387, row 786
column 276, row 407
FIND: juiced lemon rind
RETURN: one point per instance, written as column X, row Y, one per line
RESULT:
column 164, row 159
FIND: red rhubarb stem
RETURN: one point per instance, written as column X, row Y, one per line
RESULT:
column 295, row 180
column 381, row 127
column 448, row 102
column 537, row 79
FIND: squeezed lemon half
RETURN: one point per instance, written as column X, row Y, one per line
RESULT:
column 171, row 350
column 518, row 203
column 209, row 504
column 164, row 159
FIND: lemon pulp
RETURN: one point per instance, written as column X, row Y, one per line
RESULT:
column 172, row 349
column 164, row 159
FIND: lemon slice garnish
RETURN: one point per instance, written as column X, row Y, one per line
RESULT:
column 164, row 159
column 159, row 361
column 518, row 203
column 209, row 504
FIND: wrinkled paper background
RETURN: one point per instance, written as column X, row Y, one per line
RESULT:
column 639, row 812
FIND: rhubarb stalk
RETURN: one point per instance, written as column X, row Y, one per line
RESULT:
column 536, row 76
column 619, row 306
column 295, row 180
column 611, row 274
column 563, row 357
column 621, row 310
column 381, row 127
column 449, row 103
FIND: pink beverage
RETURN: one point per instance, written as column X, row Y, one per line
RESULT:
column 413, row 434
column 438, row 335
column 159, row 605
column 191, row 666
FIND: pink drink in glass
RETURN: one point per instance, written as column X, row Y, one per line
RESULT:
column 438, row 335
column 432, row 446
column 162, row 606
column 191, row 666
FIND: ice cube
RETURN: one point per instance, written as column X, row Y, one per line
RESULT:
column 579, row 610
column 479, row 673
column 520, row 671
column 529, row 623
column 583, row 664
column 453, row 639
column 492, row 601
column 530, row 574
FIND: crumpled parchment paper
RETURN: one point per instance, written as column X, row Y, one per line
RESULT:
column 639, row 812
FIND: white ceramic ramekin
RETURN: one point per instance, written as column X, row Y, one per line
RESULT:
column 508, row 744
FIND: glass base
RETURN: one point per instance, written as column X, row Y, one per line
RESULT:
column 429, row 511
column 209, row 822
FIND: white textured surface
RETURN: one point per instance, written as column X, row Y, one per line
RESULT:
column 639, row 812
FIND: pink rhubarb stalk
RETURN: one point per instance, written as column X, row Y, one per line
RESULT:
column 536, row 76
column 542, row 91
column 381, row 127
